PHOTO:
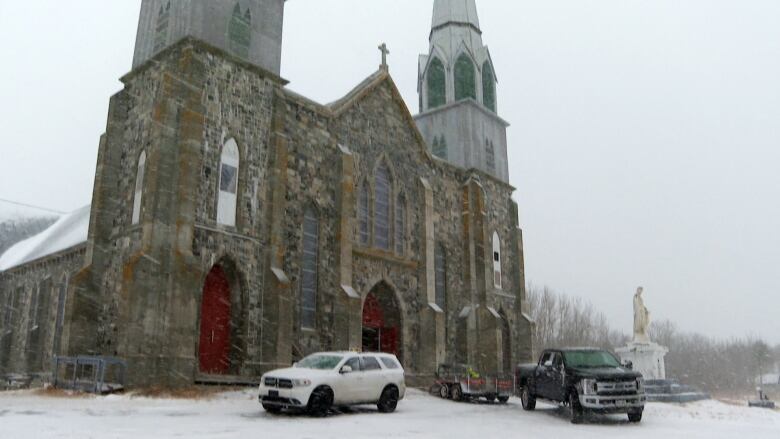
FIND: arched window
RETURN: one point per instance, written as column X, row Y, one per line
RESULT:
column 400, row 225
column 382, row 208
column 139, row 188
column 488, row 87
column 496, row 260
column 437, row 84
column 440, row 271
column 161, row 30
column 465, row 78
column 364, row 232
column 240, row 32
column 440, row 147
column 309, row 267
column 490, row 155
column 228, row 184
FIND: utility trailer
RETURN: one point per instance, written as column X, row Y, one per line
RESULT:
column 463, row 383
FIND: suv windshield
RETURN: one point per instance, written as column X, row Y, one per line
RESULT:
column 590, row 359
column 321, row 362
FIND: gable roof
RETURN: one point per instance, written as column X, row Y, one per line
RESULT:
column 68, row 232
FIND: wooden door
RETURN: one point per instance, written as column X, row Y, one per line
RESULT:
column 214, row 347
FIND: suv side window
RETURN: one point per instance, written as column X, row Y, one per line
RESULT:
column 370, row 363
column 354, row 363
column 389, row 363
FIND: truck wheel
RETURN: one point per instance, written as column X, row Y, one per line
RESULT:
column 575, row 407
column 444, row 391
column 528, row 400
column 635, row 417
column 389, row 400
column 320, row 401
column 457, row 393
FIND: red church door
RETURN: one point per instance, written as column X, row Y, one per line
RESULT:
column 378, row 336
column 214, row 350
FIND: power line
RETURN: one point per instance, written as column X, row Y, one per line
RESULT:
column 32, row 207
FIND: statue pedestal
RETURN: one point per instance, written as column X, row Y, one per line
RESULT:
column 648, row 359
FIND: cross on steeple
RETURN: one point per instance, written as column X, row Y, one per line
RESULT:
column 385, row 51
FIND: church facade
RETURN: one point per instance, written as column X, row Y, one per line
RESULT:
column 236, row 226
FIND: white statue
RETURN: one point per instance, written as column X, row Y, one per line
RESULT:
column 641, row 318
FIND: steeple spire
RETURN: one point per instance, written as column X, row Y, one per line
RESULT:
column 455, row 12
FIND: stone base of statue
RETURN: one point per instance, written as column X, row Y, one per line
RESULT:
column 647, row 357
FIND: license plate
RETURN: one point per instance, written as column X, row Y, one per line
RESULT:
column 273, row 393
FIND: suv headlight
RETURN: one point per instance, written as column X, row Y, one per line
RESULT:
column 640, row 384
column 301, row 383
column 589, row 387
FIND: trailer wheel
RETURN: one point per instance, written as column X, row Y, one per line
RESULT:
column 503, row 399
column 444, row 392
column 491, row 399
column 457, row 393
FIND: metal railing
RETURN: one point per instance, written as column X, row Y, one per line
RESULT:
column 90, row 374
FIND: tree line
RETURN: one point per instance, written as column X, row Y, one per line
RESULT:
column 721, row 367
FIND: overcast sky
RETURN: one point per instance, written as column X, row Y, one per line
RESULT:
column 644, row 138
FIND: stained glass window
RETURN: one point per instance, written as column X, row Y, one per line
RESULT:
column 309, row 266
column 440, row 269
column 240, row 32
column 161, row 29
column 437, row 84
column 465, row 78
column 488, row 87
column 400, row 225
column 440, row 147
column 139, row 188
column 228, row 184
column 382, row 208
column 363, row 214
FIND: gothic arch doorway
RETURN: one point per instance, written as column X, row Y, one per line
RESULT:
column 382, row 326
column 221, row 335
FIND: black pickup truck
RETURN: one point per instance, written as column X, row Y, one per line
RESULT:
column 584, row 379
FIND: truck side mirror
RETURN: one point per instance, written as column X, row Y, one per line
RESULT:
column 629, row 365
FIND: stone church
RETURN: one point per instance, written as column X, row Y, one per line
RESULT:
column 236, row 226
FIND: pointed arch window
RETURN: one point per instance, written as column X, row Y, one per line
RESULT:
column 440, row 147
column 240, row 31
column 465, row 78
column 161, row 28
column 228, row 184
column 309, row 268
column 440, row 272
column 488, row 87
column 436, row 84
column 400, row 224
column 497, row 280
column 382, row 205
column 363, row 215
column 139, row 188
column 490, row 155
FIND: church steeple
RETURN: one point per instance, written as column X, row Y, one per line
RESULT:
column 248, row 29
column 457, row 88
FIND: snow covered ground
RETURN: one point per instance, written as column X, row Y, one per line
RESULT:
column 237, row 415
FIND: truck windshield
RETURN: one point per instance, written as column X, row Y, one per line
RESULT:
column 321, row 362
column 590, row 359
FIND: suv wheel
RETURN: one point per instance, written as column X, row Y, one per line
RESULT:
column 575, row 407
column 528, row 400
column 320, row 401
column 635, row 417
column 444, row 391
column 389, row 400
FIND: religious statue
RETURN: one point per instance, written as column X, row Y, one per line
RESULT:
column 641, row 318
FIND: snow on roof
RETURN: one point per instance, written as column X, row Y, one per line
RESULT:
column 70, row 230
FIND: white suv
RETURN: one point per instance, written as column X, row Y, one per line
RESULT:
column 323, row 380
